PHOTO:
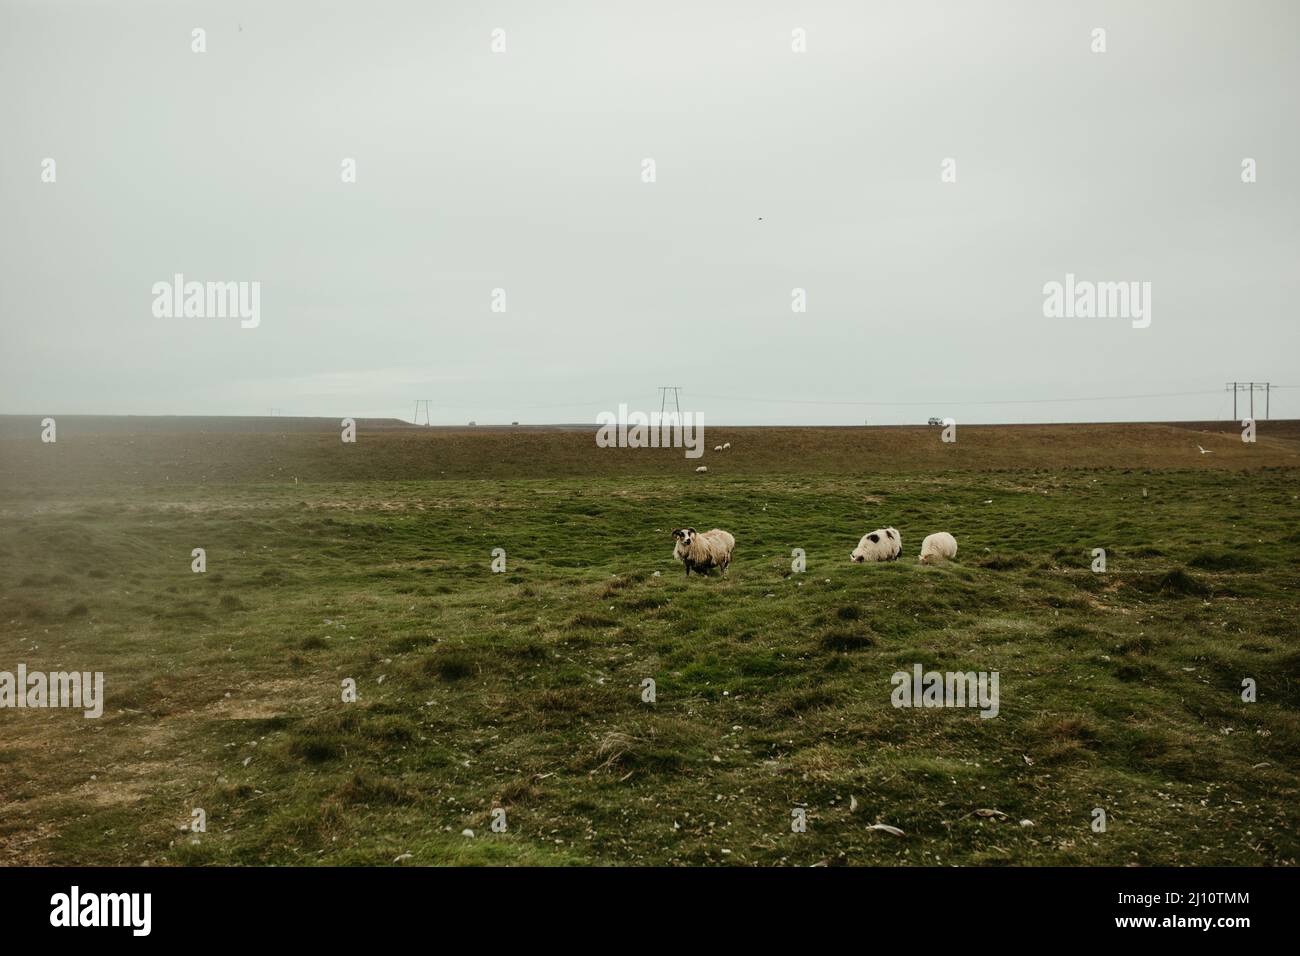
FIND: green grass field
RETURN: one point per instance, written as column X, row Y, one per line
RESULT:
column 522, row 690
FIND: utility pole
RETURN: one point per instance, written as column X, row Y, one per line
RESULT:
column 663, row 398
column 424, row 403
column 1265, row 387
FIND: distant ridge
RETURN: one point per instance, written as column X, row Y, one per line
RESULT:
column 110, row 424
column 13, row 426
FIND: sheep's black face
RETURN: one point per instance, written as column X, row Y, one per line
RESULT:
column 856, row 558
column 684, row 535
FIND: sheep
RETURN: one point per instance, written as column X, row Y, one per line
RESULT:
column 883, row 544
column 938, row 546
column 717, row 448
column 726, row 445
column 701, row 469
column 701, row 551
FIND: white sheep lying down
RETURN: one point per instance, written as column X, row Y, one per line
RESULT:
column 883, row 544
column 700, row 551
column 938, row 546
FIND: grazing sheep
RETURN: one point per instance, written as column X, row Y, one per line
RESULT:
column 938, row 546
column 717, row 448
column 726, row 445
column 702, row 468
column 701, row 551
column 883, row 544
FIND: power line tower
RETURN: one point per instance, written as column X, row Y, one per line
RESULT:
column 1250, row 388
column 425, row 404
column 663, row 398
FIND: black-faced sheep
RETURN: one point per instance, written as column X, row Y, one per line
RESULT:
column 938, row 546
column 883, row 544
column 700, row 551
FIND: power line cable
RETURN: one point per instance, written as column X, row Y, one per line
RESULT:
column 931, row 403
column 1011, row 401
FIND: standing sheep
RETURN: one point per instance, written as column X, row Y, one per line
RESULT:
column 701, row 551
column 940, row 546
column 883, row 544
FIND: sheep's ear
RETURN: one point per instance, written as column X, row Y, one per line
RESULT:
column 677, row 532
column 692, row 531
column 889, row 534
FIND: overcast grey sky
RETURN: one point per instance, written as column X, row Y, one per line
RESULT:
column 522, row 170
